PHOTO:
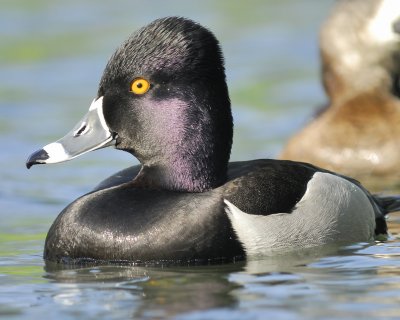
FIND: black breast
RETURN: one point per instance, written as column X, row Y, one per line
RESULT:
column 124, row 223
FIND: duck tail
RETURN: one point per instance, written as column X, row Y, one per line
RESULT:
column 387, row 203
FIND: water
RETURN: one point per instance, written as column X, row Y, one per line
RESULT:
column 52, row 55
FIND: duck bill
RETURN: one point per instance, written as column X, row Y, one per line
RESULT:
column 89, row 134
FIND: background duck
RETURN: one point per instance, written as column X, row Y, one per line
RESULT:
column 163, row 98
column 358, row 133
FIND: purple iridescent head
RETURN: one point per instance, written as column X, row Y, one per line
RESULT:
column 163, row 97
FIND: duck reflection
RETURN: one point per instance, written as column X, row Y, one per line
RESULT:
column 159, row 292
column 147, row 292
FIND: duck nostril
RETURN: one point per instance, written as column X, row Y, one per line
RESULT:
column 80, row 131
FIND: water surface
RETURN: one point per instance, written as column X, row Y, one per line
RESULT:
column 52, row 55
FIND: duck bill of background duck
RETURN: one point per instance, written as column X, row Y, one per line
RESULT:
column 89, row 134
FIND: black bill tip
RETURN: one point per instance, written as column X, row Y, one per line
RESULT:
column 37, row 157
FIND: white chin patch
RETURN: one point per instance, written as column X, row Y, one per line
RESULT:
column 56, row 153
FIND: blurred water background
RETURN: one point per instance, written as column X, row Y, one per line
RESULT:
column 52, row 54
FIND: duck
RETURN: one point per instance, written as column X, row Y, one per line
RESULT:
column 163, row 98
column 357, row 132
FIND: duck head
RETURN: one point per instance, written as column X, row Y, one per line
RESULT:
column 360, row 47
column 163, row 98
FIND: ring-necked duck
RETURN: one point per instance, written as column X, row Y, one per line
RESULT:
column 163, row 98
column 358, row 133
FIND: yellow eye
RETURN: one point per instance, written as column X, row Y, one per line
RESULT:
column 140, row 86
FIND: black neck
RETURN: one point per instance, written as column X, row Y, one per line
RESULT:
column 184, row 180
column 194, row 159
